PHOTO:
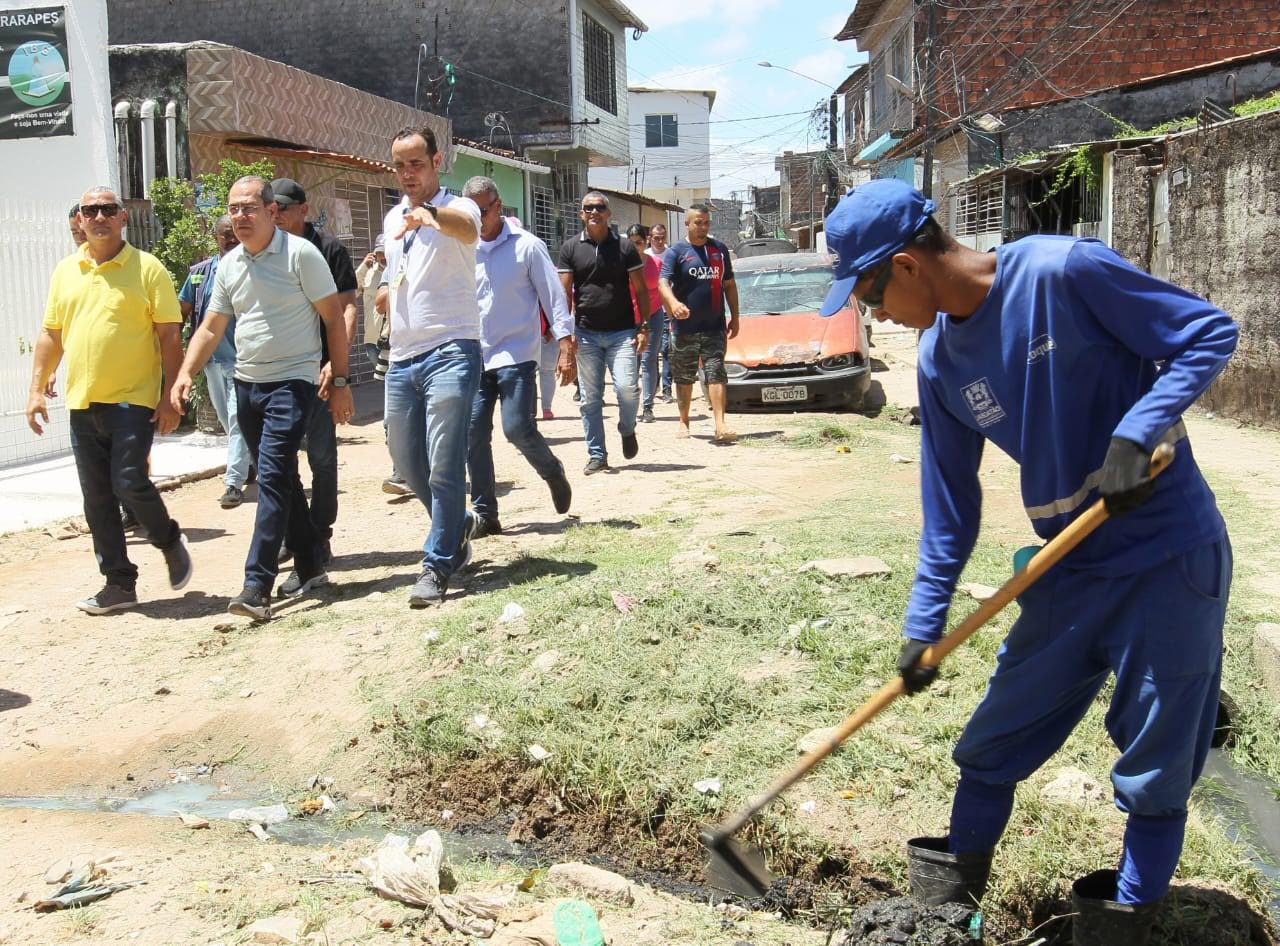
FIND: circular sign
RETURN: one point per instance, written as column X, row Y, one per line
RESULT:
column 37, row 73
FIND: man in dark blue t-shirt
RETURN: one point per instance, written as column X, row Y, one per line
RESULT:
column 697, row 278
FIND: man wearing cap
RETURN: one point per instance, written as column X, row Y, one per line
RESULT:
column 1077, row 365
column 321, row 442
column 220, row 372
column 368, row 279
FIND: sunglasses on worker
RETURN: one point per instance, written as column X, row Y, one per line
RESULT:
column 89, row 211
column 873, row 298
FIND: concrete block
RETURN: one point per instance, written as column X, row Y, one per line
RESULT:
column 1266, row 649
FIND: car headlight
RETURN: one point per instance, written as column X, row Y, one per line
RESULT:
column 835, row 363
column 734, row 370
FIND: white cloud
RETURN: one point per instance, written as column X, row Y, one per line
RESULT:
column 729, row 44
column 659, row 14
column 827, row 66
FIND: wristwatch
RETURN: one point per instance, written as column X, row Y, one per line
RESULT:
column 433, row 210
column 338, row 381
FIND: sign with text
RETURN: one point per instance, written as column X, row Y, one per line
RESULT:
column 35, row 87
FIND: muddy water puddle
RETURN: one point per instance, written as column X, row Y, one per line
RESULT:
column 1248, row 807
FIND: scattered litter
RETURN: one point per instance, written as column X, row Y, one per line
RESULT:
column 408, row 874
column 622, row 602
column 80, row 893
column 430, row 637
column 844, row 448
column 537, row 753
column 512, row 612
column 594, row 882
column 546, row 660
column 576, row 923
column 1072, row 786
column 473, row 914
column 326, row 803
column 224, row 626
column 320, row 781
column 446, row 815
column 978, row 592
column 193, row 822
column 899, row 458
column 707, row 786
column 258, row 831
column 163, row 691
column 809, row 807
column 861, row 566
column 369, row 798
column 71, row 529
column 264, row 814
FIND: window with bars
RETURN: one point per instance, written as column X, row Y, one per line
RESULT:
column 979, row 207
column 661, row 131
column 542, row 215
column 600, row 66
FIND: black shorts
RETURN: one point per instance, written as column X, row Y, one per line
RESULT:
column 686, row 350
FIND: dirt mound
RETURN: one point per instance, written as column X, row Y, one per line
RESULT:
column 906, row 922
column 787, row 896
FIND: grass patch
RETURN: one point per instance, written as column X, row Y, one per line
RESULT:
column 718, row 669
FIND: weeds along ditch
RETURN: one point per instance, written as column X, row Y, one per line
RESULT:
column 660, row 674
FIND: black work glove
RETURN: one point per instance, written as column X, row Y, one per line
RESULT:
column 1126, row 482
column 914, row 677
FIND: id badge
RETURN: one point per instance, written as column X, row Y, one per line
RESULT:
column 398, row 279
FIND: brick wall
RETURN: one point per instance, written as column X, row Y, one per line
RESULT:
column 373, row 46
column 1035, row 51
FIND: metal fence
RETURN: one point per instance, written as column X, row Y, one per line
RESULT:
column 33, row 238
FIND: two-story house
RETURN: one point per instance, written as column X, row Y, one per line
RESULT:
column 545, row 78
column 670, row 146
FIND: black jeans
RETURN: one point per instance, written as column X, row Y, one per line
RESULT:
column 111, row 443
column 322, row 457
column 273, row 417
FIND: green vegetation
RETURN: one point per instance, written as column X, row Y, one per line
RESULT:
column 1263, row 103
column 716, row 664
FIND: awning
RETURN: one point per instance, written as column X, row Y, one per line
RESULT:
column 316, row 156
column 877, row 147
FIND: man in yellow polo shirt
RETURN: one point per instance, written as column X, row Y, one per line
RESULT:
column 113, row 312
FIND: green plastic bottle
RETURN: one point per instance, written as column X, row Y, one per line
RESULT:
column 1023, row 556
column 576, row 924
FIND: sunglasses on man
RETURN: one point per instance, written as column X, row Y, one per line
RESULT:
column 595, row 208
column 89, row 211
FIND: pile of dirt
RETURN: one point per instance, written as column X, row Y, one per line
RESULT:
column 786, row 895
column 906, row 922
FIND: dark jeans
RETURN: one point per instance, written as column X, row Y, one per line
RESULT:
column 516, row 387
column 322, row 457
column 273, row 417
column 111, row 443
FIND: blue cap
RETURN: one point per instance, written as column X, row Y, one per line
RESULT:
column 872, row 222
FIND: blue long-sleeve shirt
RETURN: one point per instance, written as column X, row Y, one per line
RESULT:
column 514, row 276
column 1072, row 346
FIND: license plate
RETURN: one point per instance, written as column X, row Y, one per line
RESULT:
column 792, row 392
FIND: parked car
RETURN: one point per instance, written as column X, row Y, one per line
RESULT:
column 763, row 246
column 786, row 356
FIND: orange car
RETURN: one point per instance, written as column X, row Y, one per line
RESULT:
column 787, row 357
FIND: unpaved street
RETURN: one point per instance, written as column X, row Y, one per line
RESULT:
column 108, row 707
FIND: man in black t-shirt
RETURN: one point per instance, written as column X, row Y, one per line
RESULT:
column 321, row 436
column 599, row 272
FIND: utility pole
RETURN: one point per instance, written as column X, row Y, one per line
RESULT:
column 931, row 31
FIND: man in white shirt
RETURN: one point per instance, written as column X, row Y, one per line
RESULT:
column 435, row 351
column 514, row 276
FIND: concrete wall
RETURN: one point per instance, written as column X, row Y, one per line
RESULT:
column 42, row 178
column 373, row 45
column 679, row 175
column 1223, row 242
column 510, row 181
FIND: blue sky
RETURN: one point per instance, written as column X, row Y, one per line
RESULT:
column 693, row 45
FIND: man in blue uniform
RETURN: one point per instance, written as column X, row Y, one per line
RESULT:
column 1077, row 365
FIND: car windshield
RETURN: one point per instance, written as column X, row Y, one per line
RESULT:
column 783, row 290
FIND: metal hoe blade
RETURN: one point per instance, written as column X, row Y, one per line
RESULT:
column 736, row 868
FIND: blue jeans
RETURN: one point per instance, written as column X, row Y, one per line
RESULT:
column 618, row 351
column 428, row 414
column 111, row 443
column 220, row 376
column 649, row 360
column 322, row 457
column 273, row 419
column 515, row 387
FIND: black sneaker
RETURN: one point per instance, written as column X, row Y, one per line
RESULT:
column 630, row 446
column 595, row 465
column 429, row 589
column 253, row 475
column 647, row 416
column 251, row 603
column 110, row 598
column 179, row 561
column 486, row 526
column 561, row 492
column 295, row 587
column 286, row 553
column 128, row 521
column 232, row 497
